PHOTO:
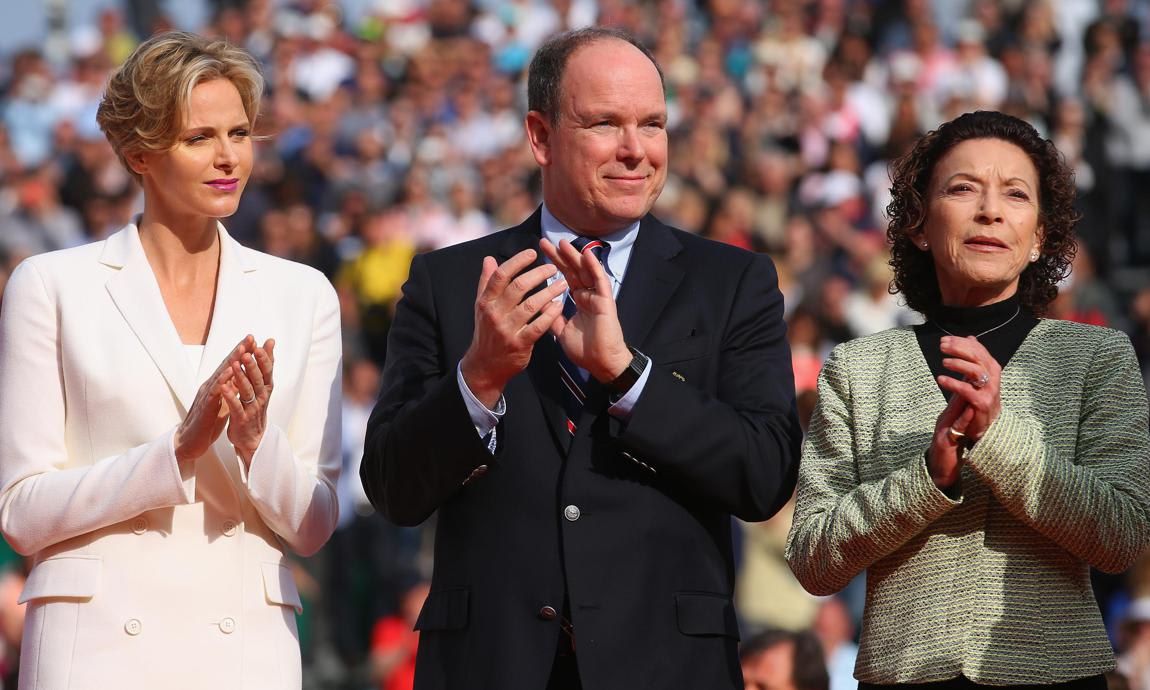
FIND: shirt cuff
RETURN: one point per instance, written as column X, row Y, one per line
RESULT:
column 621, row 408
column 485, row 420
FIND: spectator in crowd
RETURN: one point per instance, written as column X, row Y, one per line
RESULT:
column 1134, row 662
column 835, row 628
column 395, row 641
column 371, row 281
column 39, row 223
column 783, row 660
column 767, row 593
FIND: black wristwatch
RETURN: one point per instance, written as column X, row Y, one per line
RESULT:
column 623, row 382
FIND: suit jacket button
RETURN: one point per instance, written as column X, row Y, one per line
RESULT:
column 133, row 627
column 229, row 528
column 228, row 626
column 139, row 525
column 548, row 613
column 571, row 512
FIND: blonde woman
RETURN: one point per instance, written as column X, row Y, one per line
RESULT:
column 148, row 464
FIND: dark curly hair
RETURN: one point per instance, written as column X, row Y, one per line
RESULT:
column 914, row 274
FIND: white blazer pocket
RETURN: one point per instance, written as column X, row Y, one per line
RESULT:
column 279, row 586
column 66, row 577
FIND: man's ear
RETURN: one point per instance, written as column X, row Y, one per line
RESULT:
column 539, row 128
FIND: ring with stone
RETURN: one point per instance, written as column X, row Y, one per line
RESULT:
column 982, row 380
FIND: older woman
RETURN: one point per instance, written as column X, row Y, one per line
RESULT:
column 977, row 465
column 145, row 463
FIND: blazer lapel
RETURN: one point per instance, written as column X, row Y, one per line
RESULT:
column 137, row 296
column 238, row 311
column 237, row 308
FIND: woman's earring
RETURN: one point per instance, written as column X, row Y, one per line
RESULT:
column 925, row 245
column 1034, row 256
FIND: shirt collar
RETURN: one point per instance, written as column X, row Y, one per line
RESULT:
column 621, row 241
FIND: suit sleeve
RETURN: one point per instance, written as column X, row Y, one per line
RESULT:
column 841, row 525
column 421, row 444
column 737, row 448
column 1096, row 503
column 42, row 500
column 294, row 471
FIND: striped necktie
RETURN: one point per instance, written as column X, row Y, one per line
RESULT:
column 574, row 380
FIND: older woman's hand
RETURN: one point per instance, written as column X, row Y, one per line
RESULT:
column 979, row 387
column 247, row 393
column 204, row 422
column 944, row 459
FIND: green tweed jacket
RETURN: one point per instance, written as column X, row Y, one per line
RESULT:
column 994, row 585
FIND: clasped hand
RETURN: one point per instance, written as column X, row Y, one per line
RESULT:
column 975, row 403
column 514, row 308
column 236, row 395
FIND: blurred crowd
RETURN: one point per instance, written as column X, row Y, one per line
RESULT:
column 396, row 128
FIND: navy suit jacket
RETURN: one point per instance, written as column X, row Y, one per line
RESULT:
column 646, row 560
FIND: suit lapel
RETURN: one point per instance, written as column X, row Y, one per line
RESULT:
column 543, row 368
column 650, row 281
column 137, row 296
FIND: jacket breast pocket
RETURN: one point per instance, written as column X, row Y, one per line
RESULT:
column 705, row 614
column 682, row 350
column 445, row 609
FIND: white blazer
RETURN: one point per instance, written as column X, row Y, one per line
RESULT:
column 148, row 574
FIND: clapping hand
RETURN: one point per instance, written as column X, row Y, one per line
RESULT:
column 508, row 322
column 979, row 385
column 209, row 414
column 974, row 405
column 593, row 338
column 246, row 394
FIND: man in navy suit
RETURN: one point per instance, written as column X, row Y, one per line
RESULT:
column 586, row 399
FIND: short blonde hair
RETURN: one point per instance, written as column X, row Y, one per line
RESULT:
column 147, row 99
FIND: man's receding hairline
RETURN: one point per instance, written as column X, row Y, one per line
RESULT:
column 592, row 42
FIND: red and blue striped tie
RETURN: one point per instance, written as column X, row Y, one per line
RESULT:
column 574, row 380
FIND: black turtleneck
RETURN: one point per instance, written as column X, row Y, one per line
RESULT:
column 1001, row 343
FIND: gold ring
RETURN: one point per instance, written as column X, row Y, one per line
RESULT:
column 954, row 434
